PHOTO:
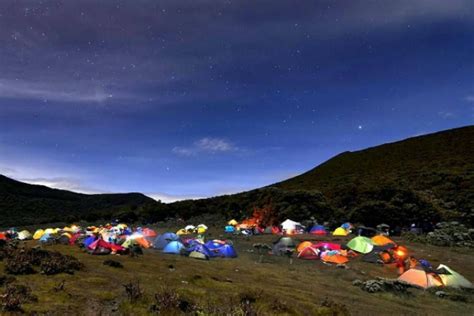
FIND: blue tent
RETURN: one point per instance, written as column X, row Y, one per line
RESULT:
column 226, row 251
column 200, row 248
column 229, row 229
column 89, row 240
column 161, row 241
column 173, row 247
column 45, row 238
column 318, row 230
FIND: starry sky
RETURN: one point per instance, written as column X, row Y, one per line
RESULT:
column 195, row 98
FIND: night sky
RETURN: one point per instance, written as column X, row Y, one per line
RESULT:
column 197, row 98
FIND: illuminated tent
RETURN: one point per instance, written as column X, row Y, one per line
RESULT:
column 283, row 245
column 303, row 245
column 327, row 246
column 361, row 244
column 333, row 257
column 420, row 278
column 37, row 235
column 318, row 230
column 233, row 222
column 340, row 232
column 198, row 255
column 229, row 229
column 291, row 227
column 190, row 228
column 24, row 235
column 452, row 278
column 173, row 247
column 381, row 240
column 182, row 231
column 309, row 253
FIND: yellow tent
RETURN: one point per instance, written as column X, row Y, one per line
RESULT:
column 181, row 232
column 232, row 222
column 38, row 234
column 201, row 230
column 340, row 232
column 24, row 234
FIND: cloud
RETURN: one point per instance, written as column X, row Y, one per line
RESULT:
column 206, row 145
column 446, row 115
column 469, row 98
column 170, row 198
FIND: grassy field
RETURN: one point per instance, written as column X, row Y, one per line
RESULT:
column 273, row 286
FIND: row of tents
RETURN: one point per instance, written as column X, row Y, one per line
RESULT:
column 287, row 227
column 378, row 249
column 121, row 239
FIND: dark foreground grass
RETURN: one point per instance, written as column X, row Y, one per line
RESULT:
column 171, row 284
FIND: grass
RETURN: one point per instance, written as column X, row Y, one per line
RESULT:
column 275, row 286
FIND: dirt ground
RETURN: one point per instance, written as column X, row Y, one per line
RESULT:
column 273, row 286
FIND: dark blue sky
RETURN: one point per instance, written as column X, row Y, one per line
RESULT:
column 197, row 98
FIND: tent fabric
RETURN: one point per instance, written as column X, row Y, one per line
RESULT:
column 453, row 279
column 24, row 235
column 161, row 241
column 198, row 255
column 232, row 222
column 182, row 231
column 229, row 229
column 89, row 240
column 420, row 278
column 303, row 245
column 289, row 225
column 173, row 247
column 37, row 235
column 318, row 230
column 361, row 244
column 225, row 251
column 283, row 245
column 334, row 257
column 382, row 240
column 3, row 236
column 340, row 232
column 327, row 246
column 309, row 253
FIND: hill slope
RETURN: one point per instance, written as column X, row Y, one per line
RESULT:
column 22, row 203
column 435, row 170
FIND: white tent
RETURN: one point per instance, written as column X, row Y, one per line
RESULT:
column 289, row 225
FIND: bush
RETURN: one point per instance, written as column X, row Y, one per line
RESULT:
column 15, row 295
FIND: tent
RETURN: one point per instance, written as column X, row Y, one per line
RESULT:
column 190, row 228
column 3, row 236
column 198, row 255
column 161, row 241
column 291, row 227
column 303, row 245
column 318, row 230
column 361, row 244
column 46, row 238
column 201, row 228
column 327, row 246
column 283, row 245
column 173, row 247
column 420, row 278
column 309, row 253
column 347, row 226
column 225, row 251
column 333, row 257
column 379, row 254
column 232, row 222
column 37, row 235
column 229, row 229
column 381, row 240
column 24, row 235
column 100, row 247
column 182, row 231
column 452, row 278
column 147, row 232
column 340, row 232
column 89, row 240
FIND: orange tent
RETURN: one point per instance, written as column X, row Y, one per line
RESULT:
column 420, row 278
column 303, row 245
column 143, row 242
column 381, row 240
column 336, row 258
column 309, row 253
column 3, row 236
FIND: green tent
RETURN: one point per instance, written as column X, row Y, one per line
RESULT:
column 452, row 278
column 361, row 244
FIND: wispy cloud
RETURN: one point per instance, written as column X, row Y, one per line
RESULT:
column 469, row 98
column 170, row 198
column 206, row 145
column 446, row 115
column 20, row 89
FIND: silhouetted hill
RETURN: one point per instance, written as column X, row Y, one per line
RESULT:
column 434, row 171
column 22, row 203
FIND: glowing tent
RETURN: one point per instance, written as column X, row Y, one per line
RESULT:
column 381, row 240
column 361, row 244
column 309, row 253
column 420, row 278
column 318, row 230
column 340, row 232
column 452, row 278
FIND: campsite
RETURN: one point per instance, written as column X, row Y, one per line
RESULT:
column 256, row 280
